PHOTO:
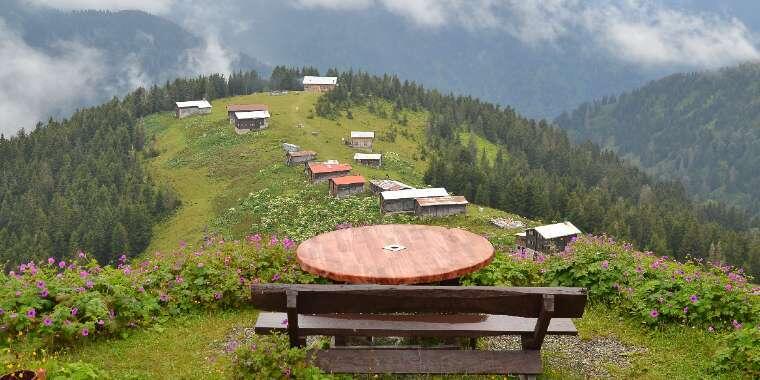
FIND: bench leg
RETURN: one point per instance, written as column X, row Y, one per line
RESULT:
column 338, row 341
column 526, row 377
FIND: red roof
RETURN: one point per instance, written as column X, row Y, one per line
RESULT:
column 348, row 180
column 247, row 107
column 318, row 168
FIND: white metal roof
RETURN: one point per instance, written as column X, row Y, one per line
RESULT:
column 551, row 231
column 360, row 134
column 194, row 103
column 367, row 156
column 320, row 80
column 414, row 193
column 251, row 115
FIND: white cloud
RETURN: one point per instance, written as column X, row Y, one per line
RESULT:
column 35, row 85
column 637, row 31
column 150, row 6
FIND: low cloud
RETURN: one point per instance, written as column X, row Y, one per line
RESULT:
column 637, row 31
column 150, row 6
column 35, row 85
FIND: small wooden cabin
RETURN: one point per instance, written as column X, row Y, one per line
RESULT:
column 362, row 139
column 341, row 187
column 377, row 186
column 404, row 200
column 290, row 147
column 369, row 159
column 193, row 107
column 232, row 108
column 319, row 84
column 320, row 172
column 440, row 206
column 300, row 157
column 250, row 121
column 551, row 237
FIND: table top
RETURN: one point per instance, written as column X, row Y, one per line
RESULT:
column 394, row 254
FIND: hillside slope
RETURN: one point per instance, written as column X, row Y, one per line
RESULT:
column 700, row 128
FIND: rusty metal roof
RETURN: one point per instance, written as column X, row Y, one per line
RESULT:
column 318, row 168
column 302, row 153
column 442, row 201
column 349, row 180
column 247, row 107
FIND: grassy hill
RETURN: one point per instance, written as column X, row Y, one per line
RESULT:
column 238, row 185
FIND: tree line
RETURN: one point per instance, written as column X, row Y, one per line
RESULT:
column 539, row 173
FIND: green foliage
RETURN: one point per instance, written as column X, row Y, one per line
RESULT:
column 506, row 270
column 740, row 354
column 656, row 290
column 62, row 302
column 77, row 371
column 271, row 357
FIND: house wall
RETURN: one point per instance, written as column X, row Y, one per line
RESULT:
column 343, row 191
column 397, row 205
column 247, row 125
column 375, row 163
column 361, row 142
column 318, row 87
column 439, row 210
column 535, row 242
column 182, row 113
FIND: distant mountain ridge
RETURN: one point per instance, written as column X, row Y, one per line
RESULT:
column 700, row 128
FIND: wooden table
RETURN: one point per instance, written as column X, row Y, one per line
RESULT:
column 366, row 255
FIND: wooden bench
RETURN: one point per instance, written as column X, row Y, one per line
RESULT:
column 425, row 311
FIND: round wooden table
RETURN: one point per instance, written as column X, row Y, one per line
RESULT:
column 394, row 254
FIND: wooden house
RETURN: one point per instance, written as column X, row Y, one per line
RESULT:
column 232, row 108
column 377, row 186
column 404, row 200
column 440, row 206
column 250, row 121
column 193, row 107
column 346, row 186
column 320, row 172
column 319, row 84
column 362, row 139
column 300, row 157
column 290, row 147
column 369, row 159
column 551, row 237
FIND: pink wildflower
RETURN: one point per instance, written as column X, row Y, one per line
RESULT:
column 85, row 331
column 31, row 313
column 47, row 321
column 61, row 264
column 605, row 264
column 736, row 324
column 654, row 313
column 51, row 261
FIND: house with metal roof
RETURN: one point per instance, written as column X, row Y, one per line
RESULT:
column 377, row 186
column 300, row 157
column 319, row 84
column 440, row 206
column 369, row 159
column 551, row 237
column 232, row 108
column 404, row 200
column 346, row 186
column 192, row 107
column 361, row 139
column 247, row 121
column 320, row 172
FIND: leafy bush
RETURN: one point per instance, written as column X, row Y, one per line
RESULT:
column 58, row 302
column 507, row 270
column 271, row 357
column 655, row 289
column 740, row 354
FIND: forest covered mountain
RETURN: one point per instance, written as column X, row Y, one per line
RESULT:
column 700, row 128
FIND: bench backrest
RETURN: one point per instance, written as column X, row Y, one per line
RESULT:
column 326, row 299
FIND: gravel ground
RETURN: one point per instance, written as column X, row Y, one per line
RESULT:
column 589, row 359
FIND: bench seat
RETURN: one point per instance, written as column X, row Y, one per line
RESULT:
column 418, row 325
column 401, row 361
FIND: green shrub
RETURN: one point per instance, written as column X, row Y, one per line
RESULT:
column 740, row 354
column 507, row 270
column 271, row 357
column 61, row 302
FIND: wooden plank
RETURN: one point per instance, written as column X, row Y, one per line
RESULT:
column 428, row 361
column 432, row 254
column 326, row 299
column 421, row 325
